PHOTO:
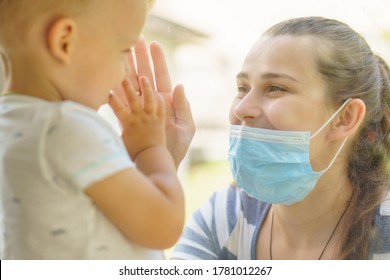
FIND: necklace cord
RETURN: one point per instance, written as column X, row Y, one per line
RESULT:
column 327, row 243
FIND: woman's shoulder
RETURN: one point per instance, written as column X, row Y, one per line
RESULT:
column 381, row 245
column 384, row 209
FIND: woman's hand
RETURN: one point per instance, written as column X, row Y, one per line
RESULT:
column 179, row 124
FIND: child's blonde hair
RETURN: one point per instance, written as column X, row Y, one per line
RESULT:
column 17, row 15
column 151, row 3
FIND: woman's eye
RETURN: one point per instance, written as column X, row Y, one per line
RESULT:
column 242, row 91
column 274, row 88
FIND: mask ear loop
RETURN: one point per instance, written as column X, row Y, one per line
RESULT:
column 337, row 153
column 324, row 125
column 330, row 119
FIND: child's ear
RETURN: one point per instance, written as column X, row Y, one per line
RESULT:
column 61, row 39
column 348, row 120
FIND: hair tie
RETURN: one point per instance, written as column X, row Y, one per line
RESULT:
column 371, row 136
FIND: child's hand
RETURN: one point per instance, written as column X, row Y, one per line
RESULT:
column 142, row 120
column 147, row 202
column 179, row 124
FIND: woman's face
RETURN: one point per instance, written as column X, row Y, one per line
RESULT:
column 279, row 86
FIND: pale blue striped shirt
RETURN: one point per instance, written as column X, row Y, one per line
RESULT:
column 227, row 225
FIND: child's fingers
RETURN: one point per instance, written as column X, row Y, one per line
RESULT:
column 132, row 97
column 148, row 95
column 117, row 106
column 120, row 94
column 160, row 111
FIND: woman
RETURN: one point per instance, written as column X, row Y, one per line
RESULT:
column 309, row 150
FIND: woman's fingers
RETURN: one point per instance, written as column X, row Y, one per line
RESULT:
column 156, row 71
column 144, row 67
column 132, row 76
column 161, row 73
column 162, row 79
column 182, row 108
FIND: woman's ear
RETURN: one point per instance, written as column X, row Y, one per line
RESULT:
column 348, row 120
column 61, row 39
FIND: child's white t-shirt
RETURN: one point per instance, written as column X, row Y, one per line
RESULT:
column 50, row 152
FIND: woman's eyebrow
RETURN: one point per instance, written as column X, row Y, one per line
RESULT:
column 242, row 75
column 268, row 75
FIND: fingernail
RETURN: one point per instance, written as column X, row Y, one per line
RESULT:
column 143, row 79
column 126, row 83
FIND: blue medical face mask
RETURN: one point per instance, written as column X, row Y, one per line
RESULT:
column 273, row 165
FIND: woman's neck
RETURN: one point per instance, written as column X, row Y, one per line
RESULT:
column 320, row 217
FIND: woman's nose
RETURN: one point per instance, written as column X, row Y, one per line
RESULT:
column 247, row 108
